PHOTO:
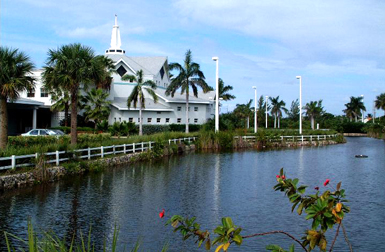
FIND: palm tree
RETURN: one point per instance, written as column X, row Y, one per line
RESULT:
column 293, row 112
column 355, row 106
column 277, row 107
column 262, row 109
column 380, row 102
column 61, row 102
column 189, row 75
column 244, row 111
column 313, row 110
column 73, row 65
column 96, row 106
column 223, row 91
column 349, row 111
column 16, row 68
column 137, row 94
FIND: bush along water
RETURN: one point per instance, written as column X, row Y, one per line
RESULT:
column 323, row 209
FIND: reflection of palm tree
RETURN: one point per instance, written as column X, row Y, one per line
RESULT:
column 277, row 107
column 313, row 110
column 189, row 76
column 354, row 107
column 244, row 111
column 16, row 68
column 380, row 102
column 96, row 106
column 137, row 94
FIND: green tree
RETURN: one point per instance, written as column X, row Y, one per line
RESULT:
column 95, row 105
column 189, row 75
column 277, row 107
column 313, row 110
column 224, row 91
column 293, row 112
column 15, row 71
column 244, row 111
column 380, row 102
column 137, row 94
column 349, row 111
column 354, row 107
column 262, row 110
column 71, row 66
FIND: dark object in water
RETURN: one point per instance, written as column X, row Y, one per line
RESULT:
column 361, row 156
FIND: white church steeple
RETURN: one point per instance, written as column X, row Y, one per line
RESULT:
column 115, row 40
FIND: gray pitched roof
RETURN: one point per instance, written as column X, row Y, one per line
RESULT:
column 121, row 104
column 149, row 65
column 181, row 98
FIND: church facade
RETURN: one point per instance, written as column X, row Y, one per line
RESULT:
column 167, row 110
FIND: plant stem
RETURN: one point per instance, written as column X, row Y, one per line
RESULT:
column 346, row 238
column 276, row 232
column 335, row 237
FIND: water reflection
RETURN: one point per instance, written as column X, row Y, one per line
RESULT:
column 208, row 186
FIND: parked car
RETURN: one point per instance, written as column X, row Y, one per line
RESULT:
column 40, row 132
column 58, row 132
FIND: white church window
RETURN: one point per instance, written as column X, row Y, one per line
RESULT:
column 195, row 120
column 149, row 120
column 158, row 120
column 167, row 120
column 43, row 92
column 121, row 71
column 31, row 93
column 131, row 119
column 179, row 120
column 179, row 108
column 195, row 108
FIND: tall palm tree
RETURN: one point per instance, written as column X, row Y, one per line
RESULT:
column 355, row 106
column 137, row 94
column 189, row 75
column 380, row 102
column 224, row 91
column 313, row 110
column 277, row 107
column 349, row 111
column 15, row 71
column 96, row 106
column 244, row 111
column 71, row 66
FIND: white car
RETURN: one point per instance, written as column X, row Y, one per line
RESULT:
column 40, row 132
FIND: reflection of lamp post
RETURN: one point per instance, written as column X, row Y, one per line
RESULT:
column 255, row 110
column 300, row 104
column 266, row 110
column 217, row 96
column 362, row 110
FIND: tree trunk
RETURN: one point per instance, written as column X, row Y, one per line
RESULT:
column 279, row 122
column 275, row 121
column 187, row 129
column 66, row 108
column 74, row 118
column 140, row 119
column 3, row 123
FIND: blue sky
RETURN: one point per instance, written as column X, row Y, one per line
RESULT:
column 338, row 47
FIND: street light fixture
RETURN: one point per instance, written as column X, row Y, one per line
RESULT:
column 362, row 111
column 255, row 110
column 266, row 110
column 217, row 96
column 300, row 104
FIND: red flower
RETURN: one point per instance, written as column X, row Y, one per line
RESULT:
column 283, row 177
column 317, row 188
column 277, row 176
column 326, row 182
column 161, row 214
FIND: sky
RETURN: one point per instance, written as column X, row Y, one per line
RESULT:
column 338, row 47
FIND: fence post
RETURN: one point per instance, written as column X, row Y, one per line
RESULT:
column 57, row 157
column 180, row 140
column 311, row 139
column 142, row 146
column 133, row 148
column 281, row 138
column 169, row 141
column 174, row 140
column 318, row 137
column 101, row 151
column 149, row 145
column 324, row 137
column 113, row 149
column 124, row 148
column 89, row 153
column 13, row 161
column 302, row 138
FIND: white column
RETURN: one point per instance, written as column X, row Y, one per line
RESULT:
column 362, row 111
column 266, row 111
column 300, row 104
column 216, row 95
column 255, row 110
column 34, row 118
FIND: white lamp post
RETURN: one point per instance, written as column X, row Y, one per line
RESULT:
column 266, row 110
column 255, row 110
column 217, row 97
column 300, row 104
column 362, row 111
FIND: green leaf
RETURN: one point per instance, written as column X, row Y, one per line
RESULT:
column 302, row 189
column 291, row 248
column 338, row 186
column 208, row 244
column 299, row 209
column 238, row 239
column 295, row 181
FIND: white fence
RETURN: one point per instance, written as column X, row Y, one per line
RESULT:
column 57, row 157
column 301, row 138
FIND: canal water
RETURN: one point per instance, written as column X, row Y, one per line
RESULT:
column 208, row 186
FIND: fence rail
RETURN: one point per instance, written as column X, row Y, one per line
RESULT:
column 301, row 138
column 57, row 157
